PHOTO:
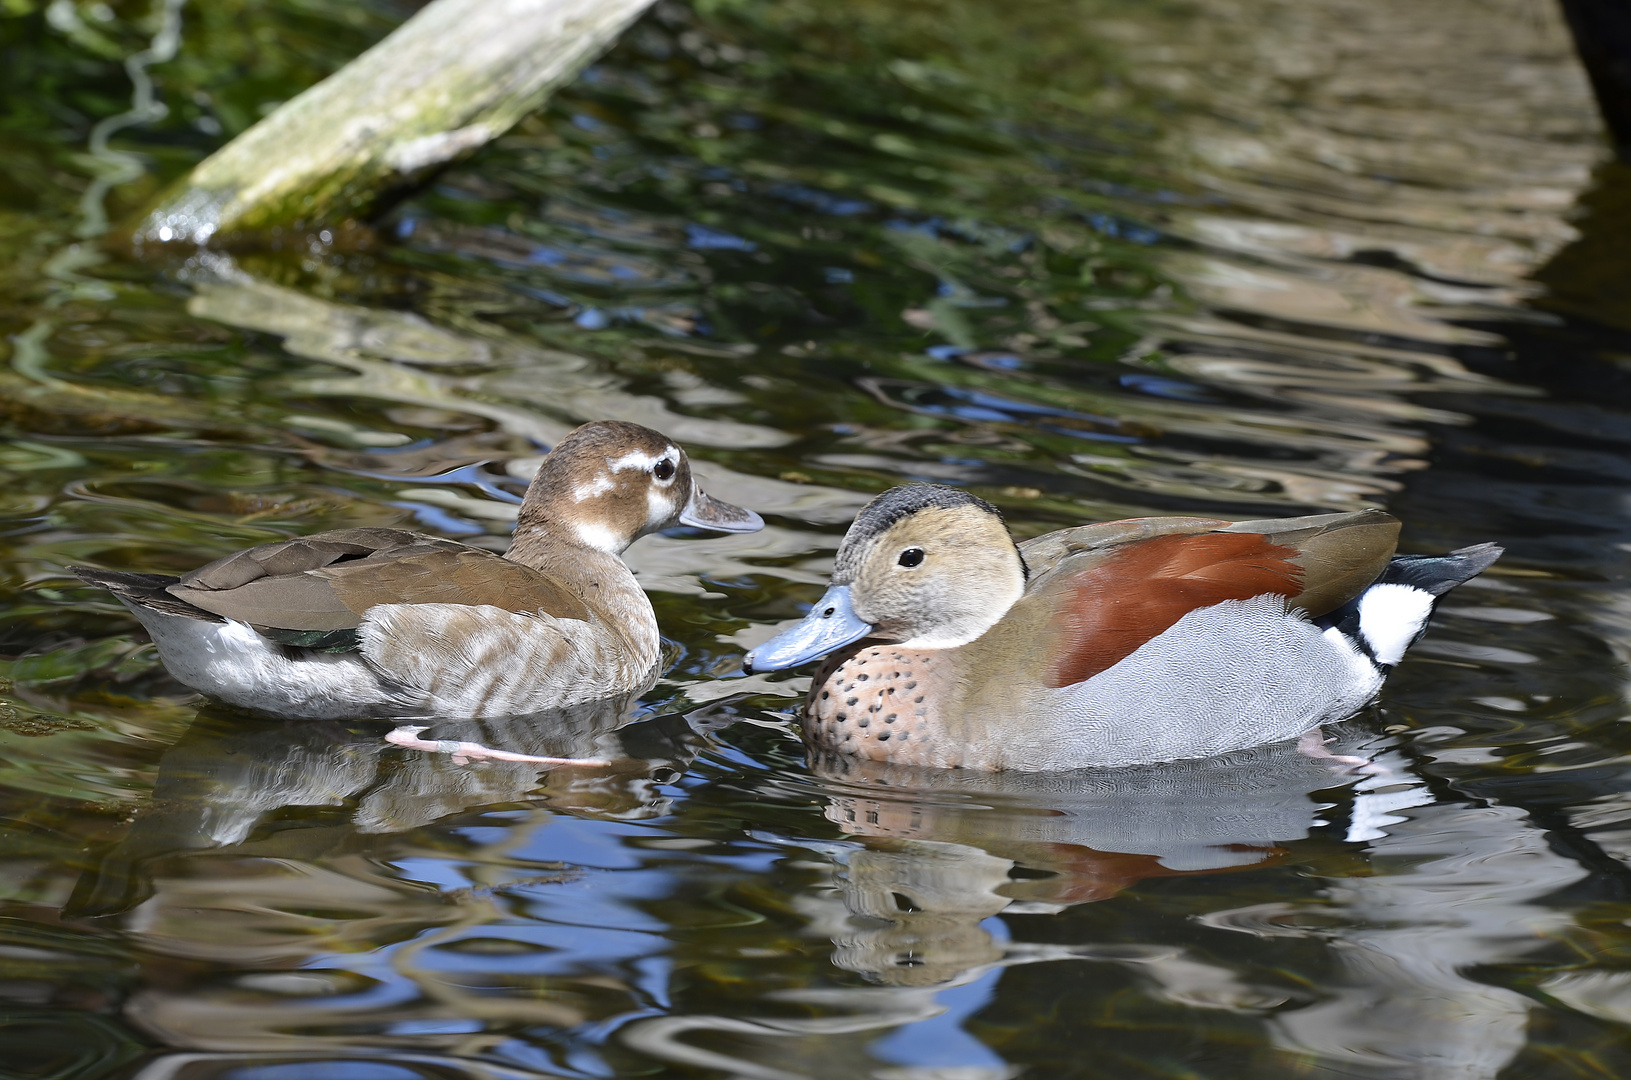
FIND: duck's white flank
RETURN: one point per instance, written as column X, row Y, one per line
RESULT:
column 1390, row 617
column 478, row 660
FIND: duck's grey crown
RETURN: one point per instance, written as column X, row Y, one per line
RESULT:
column 893, row 505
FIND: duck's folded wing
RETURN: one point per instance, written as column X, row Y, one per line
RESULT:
column 304, row 553
column 314, row 591
column 1339, row 554
column 1104, row 590
column 1043, row 554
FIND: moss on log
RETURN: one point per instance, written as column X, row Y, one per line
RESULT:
column 455, row 75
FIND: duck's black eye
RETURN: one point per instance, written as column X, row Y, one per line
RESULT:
column 663, row 469
column 911, row 557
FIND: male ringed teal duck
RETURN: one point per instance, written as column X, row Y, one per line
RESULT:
column 391, row 623
column 1152, row 639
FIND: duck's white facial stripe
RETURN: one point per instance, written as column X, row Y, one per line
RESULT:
column 1390, row 617
column 636, row 459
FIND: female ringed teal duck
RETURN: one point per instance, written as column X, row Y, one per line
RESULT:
column 391, row 623
column 1152, row 639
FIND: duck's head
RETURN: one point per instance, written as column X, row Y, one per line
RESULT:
column 608, row 483
column 926, row 566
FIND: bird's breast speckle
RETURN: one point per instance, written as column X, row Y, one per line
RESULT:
column 876, row 703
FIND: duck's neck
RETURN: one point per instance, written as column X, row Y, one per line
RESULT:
column 596, row 573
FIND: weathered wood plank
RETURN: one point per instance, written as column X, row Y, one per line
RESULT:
column 457, row 74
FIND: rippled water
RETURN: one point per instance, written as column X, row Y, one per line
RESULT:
column 1090, row 258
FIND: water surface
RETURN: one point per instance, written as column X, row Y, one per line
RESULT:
column 1087, row 258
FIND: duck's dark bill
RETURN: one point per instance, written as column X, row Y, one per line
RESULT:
column 707, row 512
column 830, row 625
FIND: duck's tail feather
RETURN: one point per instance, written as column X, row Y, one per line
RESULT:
column 1392, row 613
column 1438, row 574
column 143, row 591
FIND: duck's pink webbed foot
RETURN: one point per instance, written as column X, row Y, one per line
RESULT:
column 466, row 752
column 1312, row 744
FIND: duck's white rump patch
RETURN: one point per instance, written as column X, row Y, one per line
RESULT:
column 1390, row 617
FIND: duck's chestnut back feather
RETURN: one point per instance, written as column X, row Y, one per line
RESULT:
column 1107, row 589
column 1108, row 611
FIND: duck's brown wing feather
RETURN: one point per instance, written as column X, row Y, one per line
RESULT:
column 1099, row 592
column 305, row 553
column 327, row 582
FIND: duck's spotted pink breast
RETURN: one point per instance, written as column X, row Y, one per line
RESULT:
column 883, row 703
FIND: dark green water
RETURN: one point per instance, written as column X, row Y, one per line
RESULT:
column 1089, row 258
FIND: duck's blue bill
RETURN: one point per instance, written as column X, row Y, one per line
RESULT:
column 707, row 512
column 830, row 625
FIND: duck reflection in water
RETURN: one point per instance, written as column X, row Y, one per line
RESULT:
column 943, row 850
column 318, row 788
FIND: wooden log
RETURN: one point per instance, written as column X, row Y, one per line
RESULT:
column 455, row 75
